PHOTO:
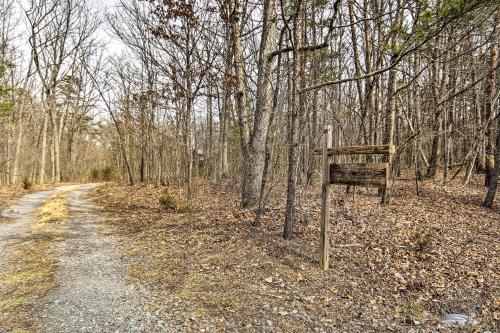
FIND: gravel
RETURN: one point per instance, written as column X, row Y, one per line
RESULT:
column 17, row 227
column 94, row 293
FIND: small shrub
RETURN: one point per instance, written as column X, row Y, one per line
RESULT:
column 168, row 201
column 172, row 202
column 94, row 174
column 27, row 185
column 106, row 173
column 414, row 313
column 186, row 208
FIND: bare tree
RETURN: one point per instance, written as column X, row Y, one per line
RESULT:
column 59, row 29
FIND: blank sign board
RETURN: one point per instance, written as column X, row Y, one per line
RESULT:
column 360, row 174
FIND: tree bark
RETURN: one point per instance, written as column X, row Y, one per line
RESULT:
column 390, row 110
column 255, row 153
column 296, row 109
column 492, row 186
column 44, row 147
column 489, row 97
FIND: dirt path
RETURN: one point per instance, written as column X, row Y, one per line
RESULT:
column 16, row 229
column 93, row 293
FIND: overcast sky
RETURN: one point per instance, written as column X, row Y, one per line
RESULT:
column 114, row 45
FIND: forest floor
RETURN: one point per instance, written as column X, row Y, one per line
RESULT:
column 127, row 264
column 399, row 268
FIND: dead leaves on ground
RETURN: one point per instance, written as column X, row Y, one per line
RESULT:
column 396, row 268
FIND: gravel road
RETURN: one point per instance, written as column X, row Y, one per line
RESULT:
column 16, row 229
column 94, row 293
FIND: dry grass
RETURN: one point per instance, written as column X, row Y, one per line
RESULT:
column 32, row 267
column 396, row 268
column 53, row 211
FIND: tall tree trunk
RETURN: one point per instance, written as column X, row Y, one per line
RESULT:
column 56, row 143
column 223, row 140
column 296, row 109
column 15, row 178
column 489, row 98
column 241, row 94
column 434, row 157
column 52, row 160
column 492, row 186
column 210, row 156
column 418, row 124
column 254, row 153
column 44, row 147
column 189, row 147
column 390, row 112
column 313, row 121
column 225, row 111
column 390, row 108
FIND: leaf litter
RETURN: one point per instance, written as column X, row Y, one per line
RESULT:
column 398, row 268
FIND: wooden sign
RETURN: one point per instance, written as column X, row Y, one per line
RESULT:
column 355, row 174
column 359, row 150
column 360, row 174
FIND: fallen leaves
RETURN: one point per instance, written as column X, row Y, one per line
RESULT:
column 397, row 267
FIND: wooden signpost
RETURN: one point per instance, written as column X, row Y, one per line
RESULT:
column 358, row 174
column 355, row 174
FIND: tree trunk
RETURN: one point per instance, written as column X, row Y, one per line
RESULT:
column 254, row 153
column 19, row 140
column 390, row 108
column 492, row 187
column 44, row 147
column 56, row 143
column 296, row 109
column 489, row 98
column 433, row 160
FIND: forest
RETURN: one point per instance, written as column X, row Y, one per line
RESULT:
column 340, row 157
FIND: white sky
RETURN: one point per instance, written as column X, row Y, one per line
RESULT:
column 114, row 46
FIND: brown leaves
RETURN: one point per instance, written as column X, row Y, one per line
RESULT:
column 406, row 264
column 171, row 10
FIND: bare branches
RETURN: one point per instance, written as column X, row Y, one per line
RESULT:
column 415, row 45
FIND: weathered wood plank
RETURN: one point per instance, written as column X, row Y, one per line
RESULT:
column 360, row 174
column 358, row 150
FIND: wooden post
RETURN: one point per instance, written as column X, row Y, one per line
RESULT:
column 325, row 202
column 387, row 190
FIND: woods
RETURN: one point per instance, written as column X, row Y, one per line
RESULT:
column 249, row 166
column 241, row 92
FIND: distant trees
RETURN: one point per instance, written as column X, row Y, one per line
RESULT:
column 49, row 104
column 7, row 90
column 59, row 31
column 240, row 91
